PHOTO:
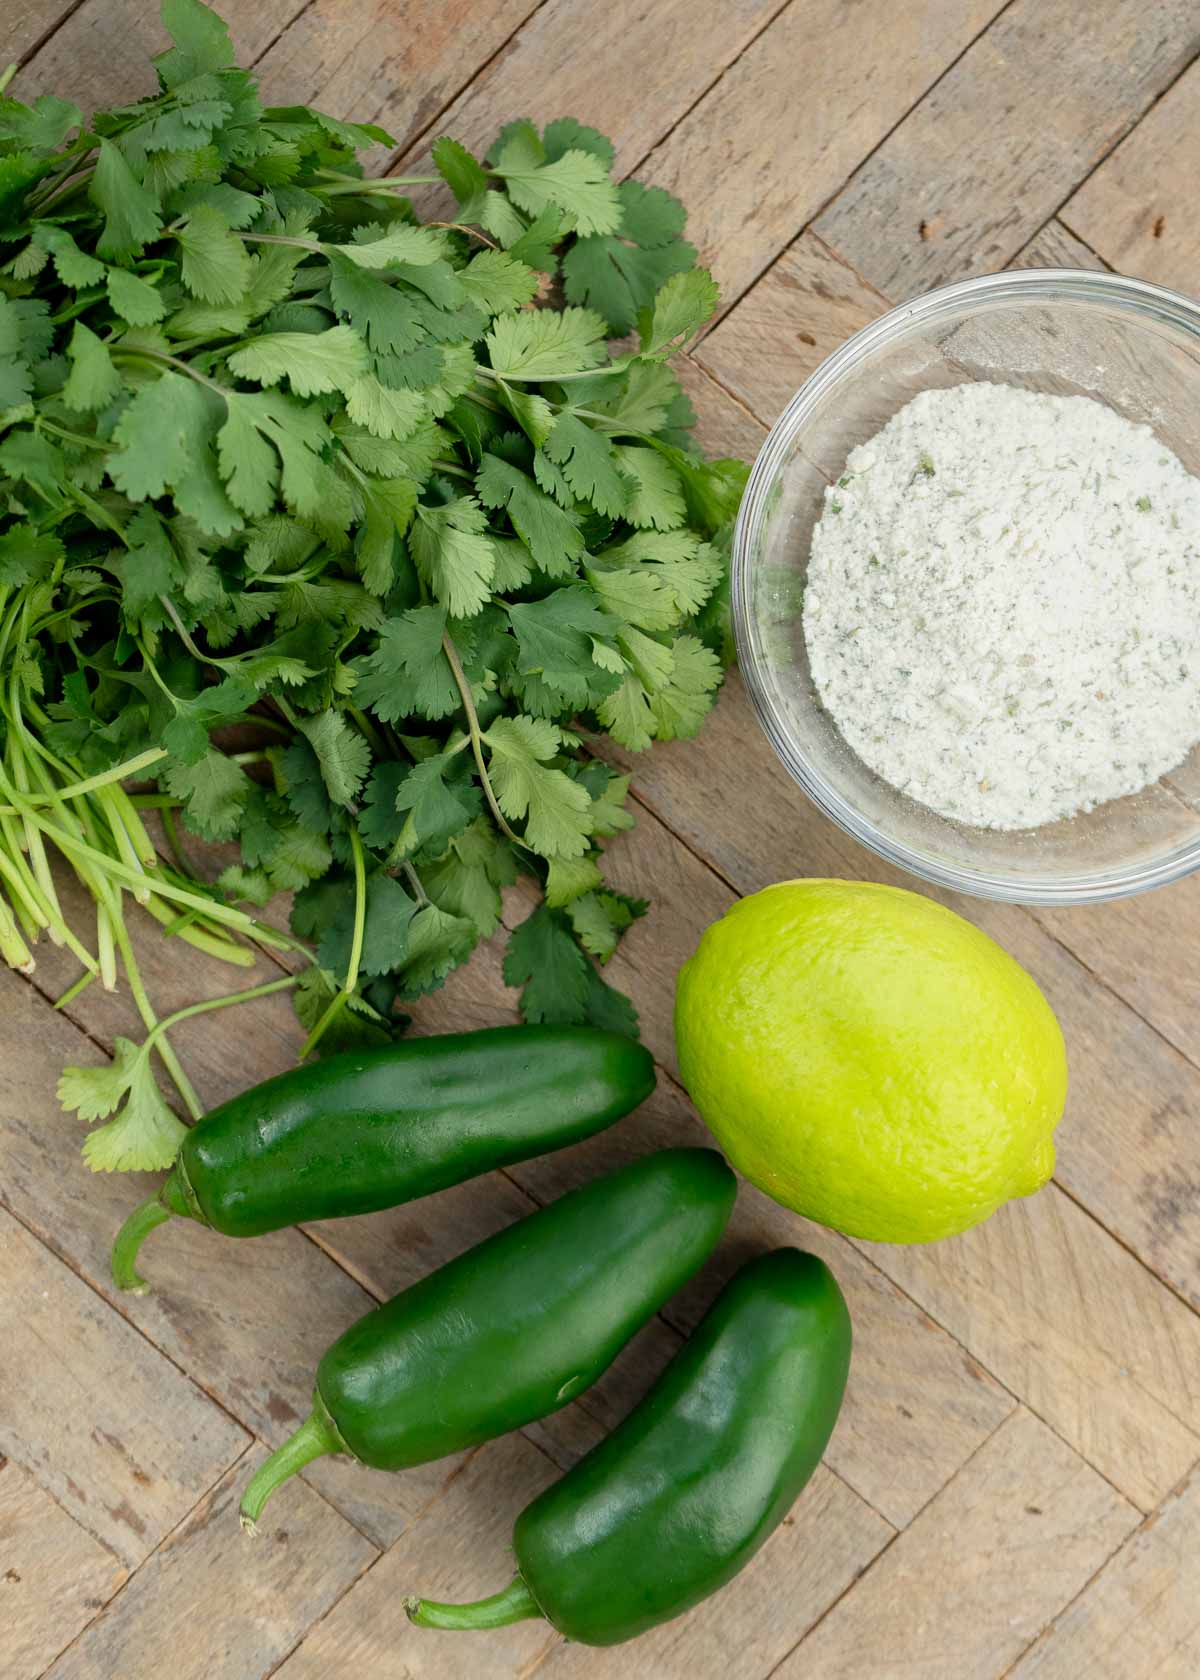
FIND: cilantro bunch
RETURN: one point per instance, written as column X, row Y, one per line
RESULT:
column 335, row 534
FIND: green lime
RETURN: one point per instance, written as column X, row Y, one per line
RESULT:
column 870, row 1059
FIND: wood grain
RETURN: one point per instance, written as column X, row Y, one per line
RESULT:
column 1055, row 246
column 825, row 1542
column 101, row 54
column 248, row 1320
column 26, row 23
column 1123, row 1422
column 1135, row 209
column 457, row 1550
column 979, row 1572
column 213, row 1602
column 1062, row 81
column 397, row 63
column 1140, row 1618
column 54, row 1576
column 806, row 305
column 630, row 70
column 124, row 1441
column 759, row 155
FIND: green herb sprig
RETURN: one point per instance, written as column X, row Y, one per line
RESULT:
column 372, row 500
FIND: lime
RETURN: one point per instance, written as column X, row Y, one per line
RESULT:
column 870, row 1059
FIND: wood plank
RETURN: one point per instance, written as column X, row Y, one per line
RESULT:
column 724, row 427
column 1141, row 1122
column 1144, row 948
column 1058, row 83
column 26, row 22
column 806, row 305
column 743, row 1632
column 101, row 55
column 1140, row 1618
column 760, row 154
column 458, row 1549
column 210, row 1601
column 1115, row 1390
column 631, row 71
column 1135, row 209
column 124, row 1442
column 397, row 63
column 54, row 1575
column 1055, row 246
column 248, row 1320
column 1005, row 1546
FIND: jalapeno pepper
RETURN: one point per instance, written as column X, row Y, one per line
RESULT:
column 371, row 1129
column 683, row 1493
column 514, row 1328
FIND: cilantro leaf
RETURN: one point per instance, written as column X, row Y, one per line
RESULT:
column 453, row 554
column 159, row 436
column 552, row 972
column 93, row 381
column 555, row 638
column 466, row 880
column 215, row 266
column 546, row 344
column 552, row 536
column 494, row 282
column 311, row 362
column 620, row 274
column 132, row 217
column 401, row 243
column 577, row 183
column 600, row 918
column 436, row 803
column 657, row 501
column 134, row 299
column 342, row 753
column 213, row 790
column 408, row 672
column 588, row 464
column 145, row 1135
column 437, row 942
column 680, row 308
column 558, row 810
column 201, row 42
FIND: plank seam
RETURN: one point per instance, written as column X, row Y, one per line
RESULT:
column 1078, row 237
column 638, row 798
column 1118, row 142
column 48, row 35
column 165, row 1541
column 402, row 151
column 725, row 308
column 1148, row 1519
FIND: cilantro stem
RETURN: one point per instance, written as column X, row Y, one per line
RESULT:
column 471, row 232
column 364, row 724
column 414, row 881
column 451, row 467
column 7, row 76
column 150, row 1020
column 223, row 1002
column 12, row 947
column 338, row 1003
column 464, row 689
column 372, row 183
column 44, row 425
column 73, row 991
column 76, row 790
column 212, row 944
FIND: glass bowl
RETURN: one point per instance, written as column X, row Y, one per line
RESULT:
column 1131, row 345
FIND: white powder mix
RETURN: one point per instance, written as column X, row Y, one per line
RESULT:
column 1003, row 605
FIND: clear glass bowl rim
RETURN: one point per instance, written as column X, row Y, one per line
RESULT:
column 1034, row 285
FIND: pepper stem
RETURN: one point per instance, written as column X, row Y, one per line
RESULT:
column 316, row 1436
column 144, row 1219
column 514, row 1604
column 172, row 1198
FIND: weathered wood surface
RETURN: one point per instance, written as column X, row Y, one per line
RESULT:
column 1012, row 1487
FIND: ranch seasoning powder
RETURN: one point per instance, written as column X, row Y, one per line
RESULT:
column 1003, row 605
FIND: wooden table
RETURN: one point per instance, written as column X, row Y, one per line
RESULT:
column 1008, row 1490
